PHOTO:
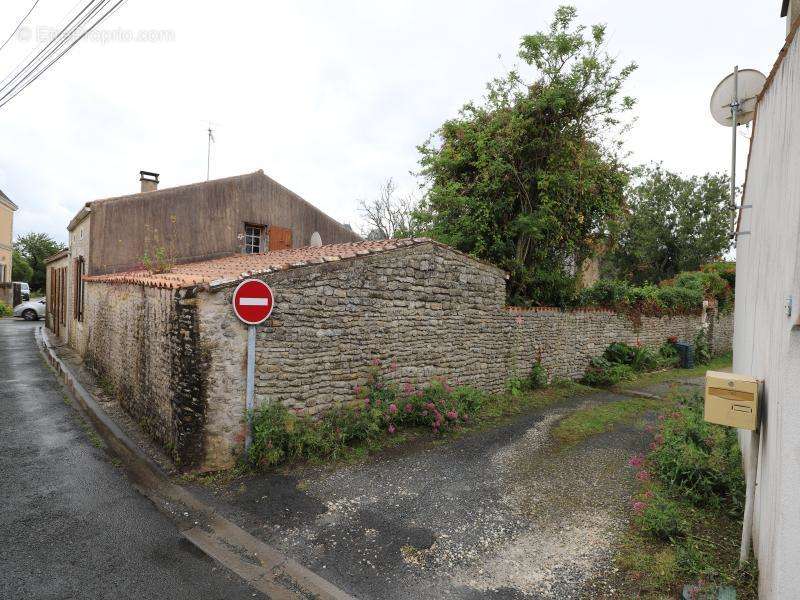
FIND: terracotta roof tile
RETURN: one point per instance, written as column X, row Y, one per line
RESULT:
column 230, row 269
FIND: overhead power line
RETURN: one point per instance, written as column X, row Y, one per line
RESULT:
column 16, row 29
column 55, row 49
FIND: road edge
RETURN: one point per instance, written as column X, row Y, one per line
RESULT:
column 262, row 566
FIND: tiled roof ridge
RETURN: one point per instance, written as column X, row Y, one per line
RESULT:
column 220, row 272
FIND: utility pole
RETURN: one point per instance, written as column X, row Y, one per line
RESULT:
column 208, row 157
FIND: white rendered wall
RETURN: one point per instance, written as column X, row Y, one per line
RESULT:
column 765, row 343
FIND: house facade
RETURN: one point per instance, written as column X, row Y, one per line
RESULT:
column 767, row 316
column 7, row 208
column 245, row 214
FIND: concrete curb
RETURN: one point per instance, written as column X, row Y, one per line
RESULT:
column 265, row 568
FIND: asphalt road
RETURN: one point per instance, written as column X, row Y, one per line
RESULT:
column 71, row 524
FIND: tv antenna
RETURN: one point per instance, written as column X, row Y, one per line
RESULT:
column 733, row 103
column 208, row 156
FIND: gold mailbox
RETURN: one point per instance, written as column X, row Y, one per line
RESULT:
column 731, row 400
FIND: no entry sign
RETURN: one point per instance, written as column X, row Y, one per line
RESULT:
column 252, row 301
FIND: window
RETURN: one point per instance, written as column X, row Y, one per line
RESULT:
column 80, row 271
column 253, row 235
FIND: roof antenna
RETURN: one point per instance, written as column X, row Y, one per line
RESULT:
column 208, row 158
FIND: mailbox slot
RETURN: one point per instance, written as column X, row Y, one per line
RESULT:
column 731, row 400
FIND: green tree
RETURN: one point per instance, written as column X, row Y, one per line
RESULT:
column 529, row 179
column 672, row 224
column 20, row 269
column 34, row 249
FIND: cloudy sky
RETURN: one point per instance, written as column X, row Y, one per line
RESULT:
column 330, row 98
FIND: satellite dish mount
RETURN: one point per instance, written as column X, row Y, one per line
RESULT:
column 733, row 103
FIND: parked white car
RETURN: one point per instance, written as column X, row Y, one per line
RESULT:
column 31, row 311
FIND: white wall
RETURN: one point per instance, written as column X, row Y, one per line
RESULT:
column 765, row 343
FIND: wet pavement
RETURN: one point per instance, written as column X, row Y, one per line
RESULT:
column 71, row 524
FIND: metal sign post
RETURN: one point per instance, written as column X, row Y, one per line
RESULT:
column 252, row 303
column 734, row 127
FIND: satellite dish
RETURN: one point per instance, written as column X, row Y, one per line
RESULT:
column 749, row 84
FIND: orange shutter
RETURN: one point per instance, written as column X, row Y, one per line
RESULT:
column 280, row 238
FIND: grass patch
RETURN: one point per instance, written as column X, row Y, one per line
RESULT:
column 594, row 420
column 646, row 379
column 687, row 513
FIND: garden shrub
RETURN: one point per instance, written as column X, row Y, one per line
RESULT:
column 603, row 373
column 702, row 351
column 669, row 353
column 661, row 518
column 6, row 310
column 684, row 294
column 699, row 461
column 535, row 380
column 381, row 407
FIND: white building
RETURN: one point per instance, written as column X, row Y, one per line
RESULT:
column 767, row 314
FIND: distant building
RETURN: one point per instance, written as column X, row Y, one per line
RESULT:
column 7, row 208
column 246, row 214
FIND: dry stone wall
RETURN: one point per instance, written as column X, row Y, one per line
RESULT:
column 427, row 311
column 144, row 345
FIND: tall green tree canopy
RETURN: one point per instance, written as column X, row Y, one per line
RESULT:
column 34, row 248
column 20, row 269
column 672, row 224
column 527, row 179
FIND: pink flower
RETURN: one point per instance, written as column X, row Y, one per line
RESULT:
column 636, row 461
column 357, row 389
column 643, row 476
column 447, row 388
column 649, row 428
column 648, row 494
column 639, row 506
column 430, row 406
column 391, row 428
column 366, row 401
column 376, row 362
column 452, row 415
column 392, row 408
column 661, row 417
column 408, row 388
column 465, row 417
column 393, row 366
column 420, row 394
column 378, row 402
column 653, row 446
column 409, row 408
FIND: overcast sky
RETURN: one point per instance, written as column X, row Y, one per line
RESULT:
column 331, row 98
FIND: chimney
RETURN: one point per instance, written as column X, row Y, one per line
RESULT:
column 149, row 181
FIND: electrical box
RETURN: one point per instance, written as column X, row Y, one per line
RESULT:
column 732, row 400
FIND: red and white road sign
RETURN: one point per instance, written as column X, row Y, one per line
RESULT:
column 252, row 301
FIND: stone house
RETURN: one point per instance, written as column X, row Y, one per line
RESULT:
column 249, row 214
column 172, row 348
column 7, row 208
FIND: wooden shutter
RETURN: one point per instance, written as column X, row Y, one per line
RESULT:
column 280, row 238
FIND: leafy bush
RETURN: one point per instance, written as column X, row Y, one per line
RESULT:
column 6, row 310
column 535, row 380
column 669, row 354
column 603, row 373
column 682, row 294
column 620, row 352
column 725, row 269
column 381, row 407
column 698, row 461
column 702, row 351
column 661, row 518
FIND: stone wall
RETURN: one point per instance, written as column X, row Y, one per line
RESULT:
column 427, row 309
column 177, row 359
column 143, row 343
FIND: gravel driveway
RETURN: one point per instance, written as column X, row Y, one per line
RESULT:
column 499, row 513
